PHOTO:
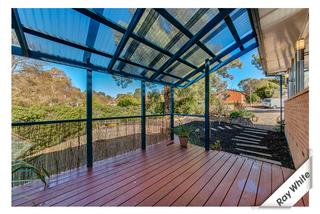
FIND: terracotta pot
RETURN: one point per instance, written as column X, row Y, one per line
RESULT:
column 183, row 142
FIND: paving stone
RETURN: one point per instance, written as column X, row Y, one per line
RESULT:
column 252, row 146
column 251, row 135
column 245, row 141
column 254, row 132
column 248, row 138
column 254, row 152
column 261, row 159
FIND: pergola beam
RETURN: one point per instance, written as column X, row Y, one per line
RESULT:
column 233, row 31
column 134, row 21
column 16, row 24
column 60, row 60
column 217, row 58
column 185, row 31
column 230, row 59
column 211, row 24
column 122, row 30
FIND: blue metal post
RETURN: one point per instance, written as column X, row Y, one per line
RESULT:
column 143, row 115
column 206, row 103
column 89, row 119
column 171, row 112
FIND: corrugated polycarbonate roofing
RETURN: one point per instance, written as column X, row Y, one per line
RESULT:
column 167, row 46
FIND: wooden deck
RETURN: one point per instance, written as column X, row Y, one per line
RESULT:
column 161, row 176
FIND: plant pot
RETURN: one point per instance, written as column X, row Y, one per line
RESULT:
column 183, row 142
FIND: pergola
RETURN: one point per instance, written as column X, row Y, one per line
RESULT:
column 83, row 38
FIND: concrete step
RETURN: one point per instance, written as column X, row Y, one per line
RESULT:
column 248, row 138
column 254, row 132
column 261, row 159
column 254, row 152
column 256, row 129
column 238, row 127
column 245, row 141
column 252, row 146
column 213, row 129
column 220, row 127
column 228, row 127
column 251, row 135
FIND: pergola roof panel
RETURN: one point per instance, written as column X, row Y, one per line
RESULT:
column 195, row 55
column 241, row 22
column 38, row 44
column 121, row 16
column 107, row 39
column 140, row 53
column 219, row 39
column 100, row 60
column 168, row 46
column 62, row 23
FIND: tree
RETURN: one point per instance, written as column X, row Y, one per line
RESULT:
column 125, row 100
column 256, row 61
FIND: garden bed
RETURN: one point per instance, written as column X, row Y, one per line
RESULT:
column 274, row 141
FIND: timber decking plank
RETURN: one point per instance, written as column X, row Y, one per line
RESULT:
column 210, row 187
column 219, row 194
column 170, row 198
column 106, row 191
column 264, row 189
column 153, row 181
column 234, row 194
column 42, row 196
column 162, row 176
column 185, row 199
column 249, row 193
column 95, row 188
column 154, row 199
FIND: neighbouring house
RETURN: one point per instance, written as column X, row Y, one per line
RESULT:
column 234, row 97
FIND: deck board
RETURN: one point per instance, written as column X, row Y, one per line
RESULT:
column 163, row 175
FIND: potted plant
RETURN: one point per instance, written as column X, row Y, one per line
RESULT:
column 183, row 132
column 216, row 145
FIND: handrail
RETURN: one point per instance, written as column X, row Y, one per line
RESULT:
column 190, row 115
column 82, row 120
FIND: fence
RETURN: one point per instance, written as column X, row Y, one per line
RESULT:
column 61, row 145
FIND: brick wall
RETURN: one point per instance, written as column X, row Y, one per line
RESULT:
column 297, row 126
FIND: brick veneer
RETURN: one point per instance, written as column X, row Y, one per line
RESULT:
column 297, row 126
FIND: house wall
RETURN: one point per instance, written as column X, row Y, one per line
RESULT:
column 235, row 97
column 297, row 126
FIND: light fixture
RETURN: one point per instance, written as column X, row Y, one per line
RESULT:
column 300, row 44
